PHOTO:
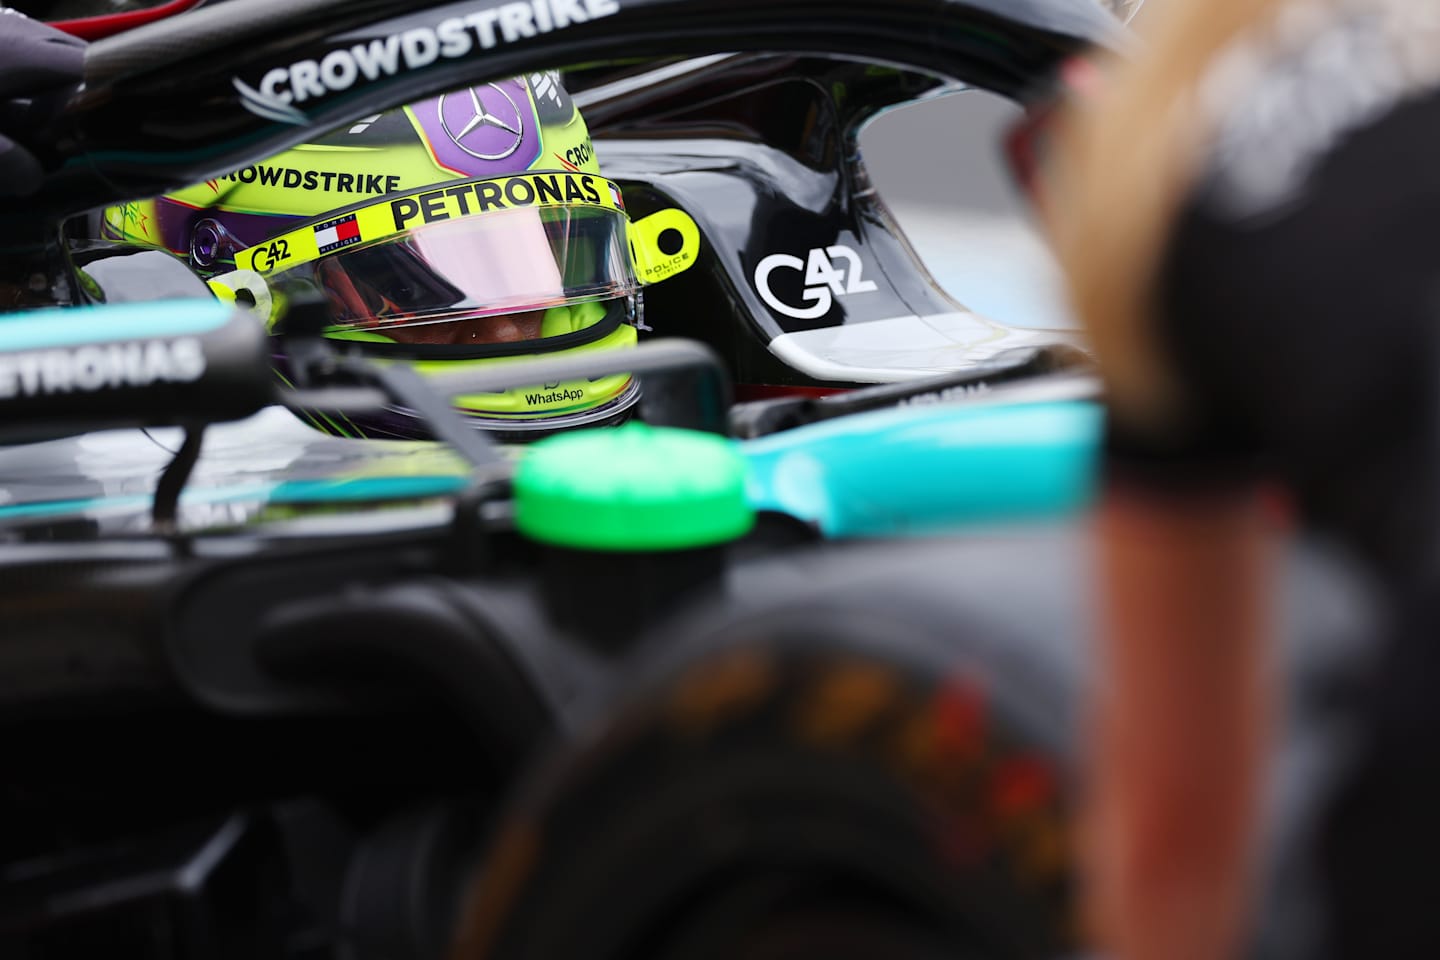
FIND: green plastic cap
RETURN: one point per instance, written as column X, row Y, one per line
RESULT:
column 633, row 488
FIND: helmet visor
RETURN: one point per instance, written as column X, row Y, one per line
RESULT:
column 473, row 263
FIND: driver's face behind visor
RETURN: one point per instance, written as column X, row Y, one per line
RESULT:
column 472, row 258
column 351, row 297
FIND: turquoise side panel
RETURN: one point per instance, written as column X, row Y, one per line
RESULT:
column 74, row 326
column 931, row 470
column 893, row 472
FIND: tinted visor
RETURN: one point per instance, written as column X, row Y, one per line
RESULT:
column 495, row 261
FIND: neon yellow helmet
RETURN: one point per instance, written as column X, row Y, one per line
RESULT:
column 469, row 228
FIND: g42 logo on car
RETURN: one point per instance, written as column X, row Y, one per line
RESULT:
column 830, row 272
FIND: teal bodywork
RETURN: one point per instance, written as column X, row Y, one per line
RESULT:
column 930, row 469
column 76, row 326
column 902, row 472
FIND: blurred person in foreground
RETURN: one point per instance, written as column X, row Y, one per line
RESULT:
column 1247, row 213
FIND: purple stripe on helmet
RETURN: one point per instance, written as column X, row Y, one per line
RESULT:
column 178, row 223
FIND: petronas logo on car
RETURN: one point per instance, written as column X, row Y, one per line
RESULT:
column 100, row 366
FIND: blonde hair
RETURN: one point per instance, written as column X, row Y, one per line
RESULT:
column 1125, row 161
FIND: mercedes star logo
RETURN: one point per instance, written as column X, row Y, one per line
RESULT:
column 488, row 129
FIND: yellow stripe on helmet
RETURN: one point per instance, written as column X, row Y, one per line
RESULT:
column 399, row 214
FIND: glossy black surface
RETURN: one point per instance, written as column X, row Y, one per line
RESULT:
column 161, row 106
column 762, row 151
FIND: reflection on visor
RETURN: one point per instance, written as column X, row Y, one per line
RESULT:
column 502, row 263
column 475, row 261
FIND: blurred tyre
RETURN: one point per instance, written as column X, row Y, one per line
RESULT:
column 836, row 780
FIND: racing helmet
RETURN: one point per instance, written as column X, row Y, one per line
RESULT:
column 472, row 227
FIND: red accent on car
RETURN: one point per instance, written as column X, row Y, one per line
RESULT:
column 768, row 391
column 107, row 25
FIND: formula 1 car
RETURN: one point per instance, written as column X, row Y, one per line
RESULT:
column 365, row 699
column 793, row 269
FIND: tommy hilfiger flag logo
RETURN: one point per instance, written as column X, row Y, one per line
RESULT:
column 334, row 234
column 616, row 195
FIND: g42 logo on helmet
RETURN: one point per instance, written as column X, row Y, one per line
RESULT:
column 823, row 280
column 267, row 255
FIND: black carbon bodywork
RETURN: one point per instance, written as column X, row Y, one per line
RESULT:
column 138, row 138
column 763, row 152
column 761, row 148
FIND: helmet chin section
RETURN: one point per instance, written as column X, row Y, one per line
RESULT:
column 517, row 415
column 400, row 423
column 612, row 413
